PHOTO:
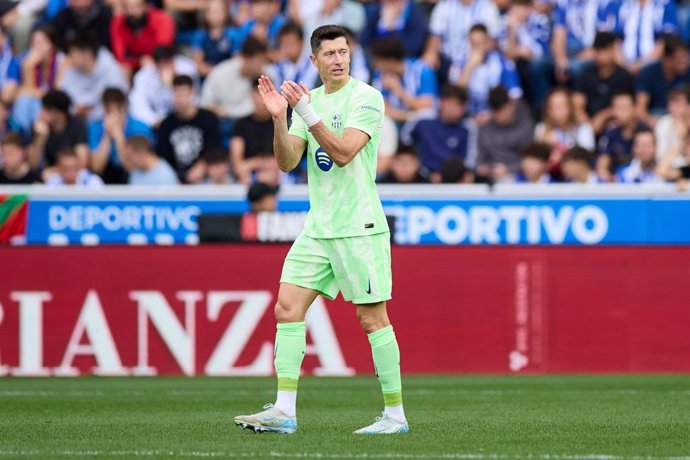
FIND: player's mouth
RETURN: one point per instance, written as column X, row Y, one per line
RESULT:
column 338, row 71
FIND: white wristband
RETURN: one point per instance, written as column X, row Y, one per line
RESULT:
column 305, row 110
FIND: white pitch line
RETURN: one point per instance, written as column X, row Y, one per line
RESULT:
column 362, row 455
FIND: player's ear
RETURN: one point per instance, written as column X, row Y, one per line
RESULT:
column 312, row 58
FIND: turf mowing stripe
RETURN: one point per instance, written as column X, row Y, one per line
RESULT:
column 363, row 455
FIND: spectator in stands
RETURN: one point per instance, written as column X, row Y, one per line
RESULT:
column 137, row 32
column 388, row 146
column 445, row 136
column 89, row 72
column 359, row 65
column 107, row 137
column 677, row 120
column 449, row 27
column 18, row 17
column 294, row 62
column 185, row 13
column 482, row 69
column 252, row 140
column 675, row 160
column 526, row 42
column 616, row 143
column 454, row 171
column 642, row 168
column 218, row 40
column 560, row 128
column 9, row 70
column 15, row 169
column 265, row 22
column 83, row 17
column 240, row 74
column 399, row 18
column 657, row 79
column 404, row 169
column 143, row 165
column 312, row 14
column 40, row 70
column 263, row 197
column 642, row 24
column 9, row 125
column 409, row 86
column 534, row 166
column 186, row 133
column 502, row 139
column 151, row 98
column 217, row 167
column 55, row 129
column 595, row 86
column 576, row 166
column 576, row 23
column 69, row 170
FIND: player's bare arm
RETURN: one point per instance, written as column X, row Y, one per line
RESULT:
column 288, row 149
column 341, row 149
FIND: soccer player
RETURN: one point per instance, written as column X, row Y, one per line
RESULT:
column 345, row 245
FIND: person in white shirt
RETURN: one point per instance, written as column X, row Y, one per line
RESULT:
column 642, row 169
column 144, row 166
column 69, row 172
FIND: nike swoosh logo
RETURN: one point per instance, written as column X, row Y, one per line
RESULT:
column 369, row 290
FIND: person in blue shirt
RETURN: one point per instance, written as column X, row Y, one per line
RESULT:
column 656, row 80
column 144, row 166
column 482, row 69
column 576, row 23
column 576, row 167
column 446, row 136
column 107, row 137
column 400, row 18
column 9, row 70
column 265, row 23
column 642, row 168
column 219, row 40
column 643, row 24
column 294, row 63
column 409, row 86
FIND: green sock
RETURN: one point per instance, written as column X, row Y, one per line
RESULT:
column 291, row 342
column 384, row 348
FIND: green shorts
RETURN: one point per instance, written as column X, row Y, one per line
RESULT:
column 359, row 267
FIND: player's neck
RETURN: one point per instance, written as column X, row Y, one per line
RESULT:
column 333, row 86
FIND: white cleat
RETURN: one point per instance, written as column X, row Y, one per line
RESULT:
column 270, row 419
column 384, row 425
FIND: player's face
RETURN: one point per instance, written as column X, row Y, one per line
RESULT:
column 333, row 60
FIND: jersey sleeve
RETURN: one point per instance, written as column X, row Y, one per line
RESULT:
column 367, row 112
column 428, row 84
column 298, row 127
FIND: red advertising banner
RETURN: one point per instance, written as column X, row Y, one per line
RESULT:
column 209, row 310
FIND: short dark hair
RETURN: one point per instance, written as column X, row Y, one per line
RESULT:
column 182, row 80
column 406, row 149
column 683, row 91
column 291, row 28
column 604, row 40
column 252, row 46
column 454, row 92
column 164, row 53
column 139, row 143
column 49, row 32
column 522, row 2
column 114, row 96
column 623, row 94
column 577, row 154
column 479, row 28
column 643, row 131
column 673, row 44
column 56, row 99
column 452, row 170
column 538, row 150
column 498, row 98
column 216, row 155
column 84, row 42
column 259, row 191
column 387, row 48
column 12, row 139
column 327, row 32
column 66, row 152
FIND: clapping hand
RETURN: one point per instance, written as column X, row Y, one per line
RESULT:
column 274, row 102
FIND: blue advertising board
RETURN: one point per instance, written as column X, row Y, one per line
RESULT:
column 474, row 220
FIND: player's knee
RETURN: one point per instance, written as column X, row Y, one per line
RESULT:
column 284, row 313
column 371, row 322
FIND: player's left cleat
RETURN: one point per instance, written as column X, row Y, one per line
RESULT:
column 384, row 425
column 271, row 419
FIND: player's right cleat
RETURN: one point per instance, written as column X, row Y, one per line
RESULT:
column 271, row 419
column 384, row 425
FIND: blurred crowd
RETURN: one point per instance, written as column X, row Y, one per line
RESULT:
column 477, row 91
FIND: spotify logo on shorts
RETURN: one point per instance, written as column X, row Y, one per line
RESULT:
column 323, row 161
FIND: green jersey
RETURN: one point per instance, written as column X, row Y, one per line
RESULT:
column 344, row 201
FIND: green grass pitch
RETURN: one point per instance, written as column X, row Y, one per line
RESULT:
column 451, row 417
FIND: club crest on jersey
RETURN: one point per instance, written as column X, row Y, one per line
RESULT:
column 337, row 121
column 323, row 161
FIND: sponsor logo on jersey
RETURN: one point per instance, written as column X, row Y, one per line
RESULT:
column 323, row 161
column 371, row 107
